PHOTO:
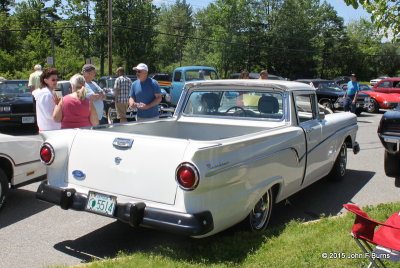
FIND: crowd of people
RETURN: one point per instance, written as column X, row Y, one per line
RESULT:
column 84, row 106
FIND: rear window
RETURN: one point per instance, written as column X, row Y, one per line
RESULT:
column 235, row 103
column 193, row 75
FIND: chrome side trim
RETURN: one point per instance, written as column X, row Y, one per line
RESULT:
column 257, row 158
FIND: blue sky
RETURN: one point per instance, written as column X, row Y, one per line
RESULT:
column 347, row 12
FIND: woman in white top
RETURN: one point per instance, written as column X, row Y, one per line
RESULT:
column 46, row 100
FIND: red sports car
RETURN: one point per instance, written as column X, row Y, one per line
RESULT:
column 380, row 100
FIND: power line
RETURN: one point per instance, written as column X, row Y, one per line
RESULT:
column 250, row 45
column 197, row 38
column 52, row 28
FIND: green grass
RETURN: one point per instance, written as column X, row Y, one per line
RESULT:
column 292, row 245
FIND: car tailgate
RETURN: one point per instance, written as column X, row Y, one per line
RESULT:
column 144, row 171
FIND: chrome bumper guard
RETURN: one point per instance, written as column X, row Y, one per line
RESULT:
column 135, row 214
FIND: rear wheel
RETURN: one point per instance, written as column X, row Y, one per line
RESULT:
column 3, row 188
column 339, row 168
column 373, row 107
column 392, row 162
column 259, row 216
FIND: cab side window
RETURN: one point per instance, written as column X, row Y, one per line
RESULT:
column 385, row 84
column 305, row 107
column 178, row 77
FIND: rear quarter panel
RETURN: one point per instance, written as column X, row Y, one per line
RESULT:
column 236, row 173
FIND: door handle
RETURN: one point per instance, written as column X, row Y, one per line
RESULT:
column 309, row 130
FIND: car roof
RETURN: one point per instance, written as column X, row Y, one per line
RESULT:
column 21, row 80
column 108, row 77
column 186, row 68
column 280, row 85
column 314, row 80
column 252, row 75
column 391, row 79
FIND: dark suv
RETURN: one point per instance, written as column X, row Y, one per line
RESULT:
column 16, row 103
column 330, row 95
column 389, row 134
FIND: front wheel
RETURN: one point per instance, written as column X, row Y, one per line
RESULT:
column 358, row 111
column 339, row 167
column 373, row 107
column 259, row 216
column 111, row 115
column 3, row 188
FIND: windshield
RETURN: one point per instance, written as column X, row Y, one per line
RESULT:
column 14, row 87
column 235, row 103
column 327, row 86
column 193, row 75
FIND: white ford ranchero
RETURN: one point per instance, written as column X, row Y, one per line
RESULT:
column 232, row 149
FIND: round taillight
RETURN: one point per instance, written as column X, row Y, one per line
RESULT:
column 46, row 154
column 187, row 176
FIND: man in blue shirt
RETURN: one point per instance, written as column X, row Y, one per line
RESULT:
column 350, row 97
column 145, row 94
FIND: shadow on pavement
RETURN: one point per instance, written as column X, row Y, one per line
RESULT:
column 19, row 130
column 323, row 197
column 20, row 205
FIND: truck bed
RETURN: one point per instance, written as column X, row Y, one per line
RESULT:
column 186, row 130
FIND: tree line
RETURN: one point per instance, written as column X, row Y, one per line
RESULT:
column 291, row 38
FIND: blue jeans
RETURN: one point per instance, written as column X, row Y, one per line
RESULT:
column 348, row 104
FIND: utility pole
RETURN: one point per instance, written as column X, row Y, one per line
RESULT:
column 53, row 49
column 109, row 37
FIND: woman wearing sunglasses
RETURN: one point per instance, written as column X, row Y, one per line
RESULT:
column 46, row 100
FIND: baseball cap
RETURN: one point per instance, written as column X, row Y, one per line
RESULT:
column 87, row 68
column 141, row 67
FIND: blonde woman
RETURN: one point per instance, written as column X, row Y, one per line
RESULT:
column 75, row 110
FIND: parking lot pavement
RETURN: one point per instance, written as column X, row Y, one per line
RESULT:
column 37, row 234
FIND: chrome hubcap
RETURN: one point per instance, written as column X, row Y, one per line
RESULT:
column 260, row 212
column 343, row 160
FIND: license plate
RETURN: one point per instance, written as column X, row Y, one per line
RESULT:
column 101, row 203
column 28, row 120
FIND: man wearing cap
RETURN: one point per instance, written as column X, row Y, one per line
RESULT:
column 350, row 97
column 121, row 91
column 263, row 75
column 93, row 91
column 145, row 94
column 34, row 78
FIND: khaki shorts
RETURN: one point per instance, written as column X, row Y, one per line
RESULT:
column 150, row 118
column 121, row 109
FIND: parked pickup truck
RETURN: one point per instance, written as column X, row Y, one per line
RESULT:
column 186, row 74
column 235, row 147
column 389, row 134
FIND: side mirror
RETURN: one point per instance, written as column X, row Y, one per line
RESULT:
column 321, row 115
